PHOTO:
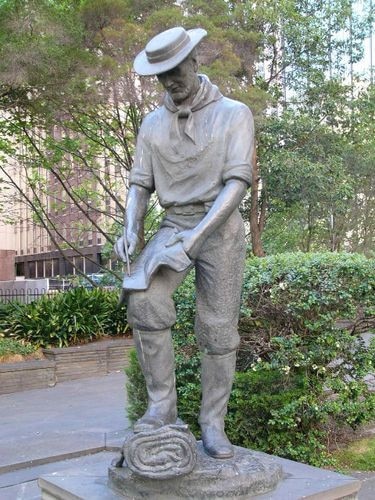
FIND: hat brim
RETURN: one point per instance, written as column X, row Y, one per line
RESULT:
column 144, row 68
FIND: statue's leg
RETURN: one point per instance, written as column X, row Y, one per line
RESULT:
column 156, row 357
column 217, row 378
column 219, row 271
column 151, row 313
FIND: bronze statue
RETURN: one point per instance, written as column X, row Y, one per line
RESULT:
column 195, row 151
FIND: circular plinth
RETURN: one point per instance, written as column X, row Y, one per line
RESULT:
column 247, row 474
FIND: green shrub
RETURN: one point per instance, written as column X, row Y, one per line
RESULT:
column 5, row 312
column 72, row 317
column 300, row 376
column 12, row 346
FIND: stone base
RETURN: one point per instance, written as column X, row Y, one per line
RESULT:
column 299, row 482
column 247, row 473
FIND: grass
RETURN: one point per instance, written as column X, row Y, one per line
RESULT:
column 358, row 455
column 10, row 348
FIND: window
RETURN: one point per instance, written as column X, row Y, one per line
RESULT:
column 68, row 268
column 55, row 267
column 32, row 270
column 39, row 269
column 79, row 263
column 20, row 269
column 48, row 268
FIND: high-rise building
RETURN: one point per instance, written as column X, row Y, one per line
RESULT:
column 65, row 238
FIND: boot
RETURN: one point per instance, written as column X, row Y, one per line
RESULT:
column 217, row 379
column 156, row 357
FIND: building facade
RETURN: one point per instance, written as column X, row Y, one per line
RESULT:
column 68, row 235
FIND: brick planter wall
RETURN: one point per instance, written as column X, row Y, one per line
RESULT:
column 15, row 377
column 67, row 363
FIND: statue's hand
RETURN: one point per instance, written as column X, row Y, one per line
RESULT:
column 190, row 239
column 132, row 240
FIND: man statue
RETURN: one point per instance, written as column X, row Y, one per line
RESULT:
column 195, row 151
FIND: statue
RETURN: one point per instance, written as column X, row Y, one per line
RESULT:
column 195, row 151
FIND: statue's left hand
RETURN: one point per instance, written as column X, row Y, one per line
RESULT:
column 190, row 240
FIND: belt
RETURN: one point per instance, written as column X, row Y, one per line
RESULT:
column 192, row 209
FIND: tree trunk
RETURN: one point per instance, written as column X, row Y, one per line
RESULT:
column 256, row 225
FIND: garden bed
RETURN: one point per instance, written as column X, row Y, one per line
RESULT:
column 67, row 363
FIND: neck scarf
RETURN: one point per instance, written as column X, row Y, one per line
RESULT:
column 206, row 94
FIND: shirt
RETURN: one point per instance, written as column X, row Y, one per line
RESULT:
column 188, row 154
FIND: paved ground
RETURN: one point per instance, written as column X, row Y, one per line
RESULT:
column 44, row 431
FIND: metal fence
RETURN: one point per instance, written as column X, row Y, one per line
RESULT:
column 26, row 291
column 25, row 296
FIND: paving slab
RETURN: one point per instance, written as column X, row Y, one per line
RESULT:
column 367, row 479
column 23, row 485
column 71, row 419
column 24, row 491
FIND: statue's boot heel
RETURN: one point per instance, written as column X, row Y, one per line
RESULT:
column 216, row 443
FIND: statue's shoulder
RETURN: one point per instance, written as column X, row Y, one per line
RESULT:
column 236, row 110
column 150, row 123
column 153, row 118
column 234, row 106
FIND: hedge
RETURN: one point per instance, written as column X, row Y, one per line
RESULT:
column 300, row 373
column 72, row 317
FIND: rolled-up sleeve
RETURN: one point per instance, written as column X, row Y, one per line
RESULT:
column 240, row 146
column 142, row 171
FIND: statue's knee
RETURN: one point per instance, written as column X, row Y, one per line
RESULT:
column 149, row 312
column 218, row 342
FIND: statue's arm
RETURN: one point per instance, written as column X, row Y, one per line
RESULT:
column 136, row 208
column 226, row 202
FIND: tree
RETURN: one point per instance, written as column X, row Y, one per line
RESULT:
column 69, row 97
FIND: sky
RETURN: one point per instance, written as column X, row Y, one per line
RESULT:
column 363, row 67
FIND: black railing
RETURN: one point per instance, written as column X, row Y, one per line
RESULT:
column 25, row 295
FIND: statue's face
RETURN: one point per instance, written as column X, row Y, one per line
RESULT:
column 181, row 82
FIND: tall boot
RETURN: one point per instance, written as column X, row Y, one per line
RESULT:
column 156, row 357
column 217, row 379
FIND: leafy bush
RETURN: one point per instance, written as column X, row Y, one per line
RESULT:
column 76, row 316
column 300, row 374
column 11, row 346
column 5, row 311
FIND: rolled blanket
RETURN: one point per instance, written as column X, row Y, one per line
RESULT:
column 161, row 454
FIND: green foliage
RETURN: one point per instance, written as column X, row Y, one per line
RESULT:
column 300, row 376
column 358, row 455
column 66, row 66
column 136, row 388
column 275, row 413
column 5, row 310
column 11, row 346
column 76, row 316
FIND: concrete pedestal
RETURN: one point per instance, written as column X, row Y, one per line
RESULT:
column 298, row 481
column 246, row 474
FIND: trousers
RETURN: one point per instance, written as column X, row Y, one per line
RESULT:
column 218, row 278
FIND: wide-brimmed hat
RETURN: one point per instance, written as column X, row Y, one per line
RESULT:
column 167, row 50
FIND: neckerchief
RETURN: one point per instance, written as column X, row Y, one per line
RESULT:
column 206, row 94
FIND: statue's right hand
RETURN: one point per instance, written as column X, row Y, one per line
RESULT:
column 120, row 246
